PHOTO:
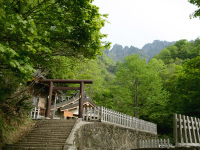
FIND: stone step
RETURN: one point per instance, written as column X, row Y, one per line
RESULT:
column 51, row 129
column 43, row 140
column 55, row 137
column 54, row 125
column 56, row 121
column 55, row 128
column 50, row 125
column 47, row 134
column 38, row 144
column 31, row 148
column 53, row 122
column 41, row 143
column 43, row 132
column 48, row 131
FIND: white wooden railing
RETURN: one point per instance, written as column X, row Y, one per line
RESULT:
column 35, row 113
column 155, row 143
column 90, row 114
column 107, row 115
column 186, row 130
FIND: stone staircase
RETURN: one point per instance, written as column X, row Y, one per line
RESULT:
column 47, row 134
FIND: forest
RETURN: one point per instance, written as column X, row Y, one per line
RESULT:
column 62, row 40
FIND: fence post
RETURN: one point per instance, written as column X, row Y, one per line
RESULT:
column 115, row 118
column 94, row 113
column 38, row 112
column 98, row 109
column 193, row 130
column 197, row 129
column 180, row 128
column 185, row 130
column 122, row 116
column 102, row 114
column 168, row 143
column 118, row 118
column 108, row 113
column 105, row 113
column 87, row 113
column 175, row 129
column 91, row 113
column 34, row 113
column 83, row 114
column 134, row 122
column 130, row 119
column 189, row 131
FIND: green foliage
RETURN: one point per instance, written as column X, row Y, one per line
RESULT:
column 63, row 37
column 15, row 104
column 140, row 84
column 180, row 50
column 197, row 12
column 188, row 87
column 40, row 34
column 32, row 31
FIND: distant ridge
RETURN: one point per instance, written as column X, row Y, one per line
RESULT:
column 149, row 50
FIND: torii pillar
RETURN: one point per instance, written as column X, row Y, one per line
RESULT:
column 51, row 88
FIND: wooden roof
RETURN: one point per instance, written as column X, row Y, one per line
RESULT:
column 85, row 100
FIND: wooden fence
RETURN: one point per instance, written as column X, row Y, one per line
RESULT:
column 35, row 113
column 155, row 143
column 107, row 115
column 186, row 130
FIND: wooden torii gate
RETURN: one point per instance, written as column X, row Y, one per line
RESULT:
column 52, row 88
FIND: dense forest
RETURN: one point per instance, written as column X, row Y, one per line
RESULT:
column 62, row 42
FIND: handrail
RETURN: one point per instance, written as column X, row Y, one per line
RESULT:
column 107, row 115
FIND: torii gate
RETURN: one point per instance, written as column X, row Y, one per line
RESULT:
column 51, row 88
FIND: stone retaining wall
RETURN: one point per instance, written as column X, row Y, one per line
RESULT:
column 100, row 135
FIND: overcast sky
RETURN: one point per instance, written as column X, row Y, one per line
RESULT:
column 137, row 22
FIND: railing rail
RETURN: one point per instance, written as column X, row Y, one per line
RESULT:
column 155, row 143
column 186, row 130
column 107, row 115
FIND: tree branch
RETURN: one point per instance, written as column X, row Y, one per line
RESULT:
column 33, row 9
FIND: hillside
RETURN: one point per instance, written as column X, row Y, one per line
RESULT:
column 149, row 50
column 117, row 53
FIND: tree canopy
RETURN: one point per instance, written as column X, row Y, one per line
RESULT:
column 34, row 31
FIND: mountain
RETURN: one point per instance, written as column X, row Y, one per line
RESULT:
column 152, row 49
column 118, row 52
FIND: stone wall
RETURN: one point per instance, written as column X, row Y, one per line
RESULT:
column 100, row 135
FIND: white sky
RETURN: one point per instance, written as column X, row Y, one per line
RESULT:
column 137, row 22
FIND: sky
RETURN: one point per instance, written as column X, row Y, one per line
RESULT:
column 138, row 22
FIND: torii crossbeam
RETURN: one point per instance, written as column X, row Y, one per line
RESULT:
column 51, row 88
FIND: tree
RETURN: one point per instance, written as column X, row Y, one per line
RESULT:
column 129, row 77
column 139, row 87
column 188, row 87
column 34, row 31
column 197, row 12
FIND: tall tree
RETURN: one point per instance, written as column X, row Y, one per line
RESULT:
column 188, row 87
column 129, row 77
column 33, row 31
